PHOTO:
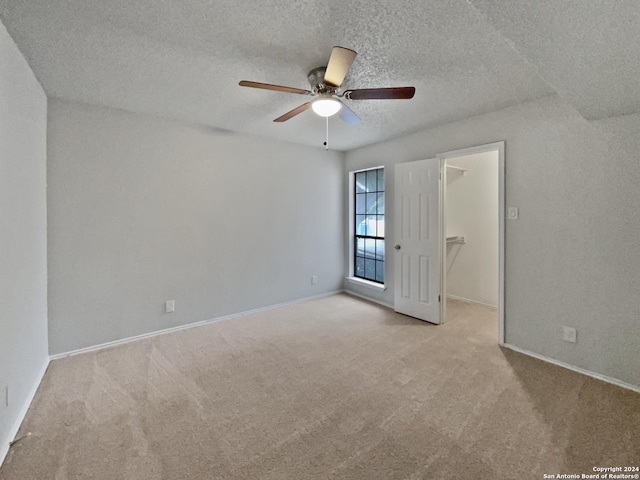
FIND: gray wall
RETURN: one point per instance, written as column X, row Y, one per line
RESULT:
column 143, row 210
column 23, row 235
column 572, row 257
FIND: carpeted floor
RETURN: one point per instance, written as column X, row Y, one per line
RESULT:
column 334, row 388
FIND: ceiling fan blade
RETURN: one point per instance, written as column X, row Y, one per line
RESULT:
column 393, row 93
column 347, row 116
column 293, row 113
column 268, row 86
column 339, row 62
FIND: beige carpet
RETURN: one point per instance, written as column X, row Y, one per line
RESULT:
column 334, row 388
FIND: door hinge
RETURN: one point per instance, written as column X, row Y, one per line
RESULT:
column 438, row 297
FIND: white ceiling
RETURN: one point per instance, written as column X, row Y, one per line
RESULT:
column 183, row 60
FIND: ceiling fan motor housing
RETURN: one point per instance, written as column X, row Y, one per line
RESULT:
column 316, row 80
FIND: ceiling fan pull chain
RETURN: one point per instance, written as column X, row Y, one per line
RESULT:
column 326, row 138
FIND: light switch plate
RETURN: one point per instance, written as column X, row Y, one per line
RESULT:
column 170, row 306
column 569, row 334
column 512, row 213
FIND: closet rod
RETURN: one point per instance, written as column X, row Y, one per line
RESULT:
column 456, row 239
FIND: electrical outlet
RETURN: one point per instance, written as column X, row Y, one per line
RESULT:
column 569, row 334
column 170, row 306
column 512, row 213
column 314, row 279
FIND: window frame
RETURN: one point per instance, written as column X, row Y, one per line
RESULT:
column 353, row 234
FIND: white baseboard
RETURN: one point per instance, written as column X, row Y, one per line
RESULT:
column 187, row 326
column 11, row 434
column 364, row 297
column 475, row 302
column 589, row 373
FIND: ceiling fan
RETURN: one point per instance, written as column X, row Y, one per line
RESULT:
column 325, row 84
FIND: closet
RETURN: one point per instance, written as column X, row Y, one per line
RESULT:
column 471, row 223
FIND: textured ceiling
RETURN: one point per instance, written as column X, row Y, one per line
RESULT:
column 183, row 60
column 588, row 50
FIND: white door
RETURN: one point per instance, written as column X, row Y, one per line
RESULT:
column 417, row 239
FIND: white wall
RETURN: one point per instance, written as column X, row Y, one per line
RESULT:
column 143, row 210
column 23, row 236
column 572, row 257
column 471, row 210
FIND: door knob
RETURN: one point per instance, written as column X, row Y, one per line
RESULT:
column 397, row 247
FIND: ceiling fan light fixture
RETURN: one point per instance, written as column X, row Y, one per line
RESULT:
column 326, row 107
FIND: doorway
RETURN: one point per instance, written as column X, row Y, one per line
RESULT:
column 472, row 229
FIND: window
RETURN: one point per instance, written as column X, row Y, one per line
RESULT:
column 368, row 217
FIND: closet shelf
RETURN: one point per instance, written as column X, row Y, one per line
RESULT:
column 455, row 239
column 457, row 170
